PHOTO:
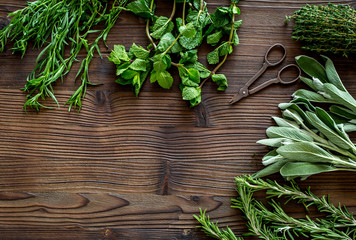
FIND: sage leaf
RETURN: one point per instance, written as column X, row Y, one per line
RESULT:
column 306, row 152
column 285, row 123
column 332, row 74
column 308, row 82
column 311, row 96
column 342, row 112
column 304, row 169
column 271, row 169
column 274, row 142
column 342, row 97
column 312, row 67
column 273, row 160
column 289, row 133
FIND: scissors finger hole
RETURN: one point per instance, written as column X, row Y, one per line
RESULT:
column 289, row 74
column 275, row 54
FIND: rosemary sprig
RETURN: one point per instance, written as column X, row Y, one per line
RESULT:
column 57, row 24
column 273, row 223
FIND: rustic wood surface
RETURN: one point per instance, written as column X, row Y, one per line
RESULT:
column 127, row 168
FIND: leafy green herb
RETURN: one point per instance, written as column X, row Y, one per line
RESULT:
column 56, row 24
column 329, row 28
column 309, row 140
column 273, row 223
column 179, row 38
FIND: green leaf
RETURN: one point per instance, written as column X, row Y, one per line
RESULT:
column 306, row 152
column 161, row 62
column 188, row 30
column 214, row 38
column 140, row 8
column 308, row 82
column 213, row 57
column 235, row 39
column 221, row 80
column 221, row 17
column 289, row 133
column 194, row 75
column 285, row 123
column 204, row 72
column 273, row 160
column 303, row 169
column 192, row 42
column 271, row 169
column 138, row 65
column 342, row 97
column 128, row 74
column 139, row 52
column 166, row 41
column 312, row 67
column 343, row 112
column 164, row 79
column 196, row 101
column 332, row 74
column 236, row 10
column 328, row 132
column 162, row 26
column 186, row 80
column 118, row 54
column 190, row 93
column 189, row 56
column 274, row 142
column 311, row 96
column 122, row 68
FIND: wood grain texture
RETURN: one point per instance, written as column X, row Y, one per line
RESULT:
column 127, row 168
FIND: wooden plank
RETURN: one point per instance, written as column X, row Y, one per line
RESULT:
column 127, row 168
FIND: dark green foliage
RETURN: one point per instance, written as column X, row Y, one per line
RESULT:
column 57, row 25
column 180, row 39
column 330, row 28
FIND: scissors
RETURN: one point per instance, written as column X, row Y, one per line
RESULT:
column 245, row 91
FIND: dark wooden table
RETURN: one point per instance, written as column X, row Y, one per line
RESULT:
column 127, row 168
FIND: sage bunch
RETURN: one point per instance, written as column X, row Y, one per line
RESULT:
column 57, row 25
column 309, row 139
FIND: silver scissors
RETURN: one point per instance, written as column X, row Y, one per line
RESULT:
column 245, row 91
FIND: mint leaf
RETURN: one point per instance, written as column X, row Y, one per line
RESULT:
column 188, row 30
column 194, row 75
column 204, row 72
column 161, row 62
column 164, row 79
column 121, row 68
column 237, row 24
column 189, row 56
column 162, row 26
column 140, row 8
column 128, row 74
column 190, row 93
column 139, row 52
column 185, row 77
column 166, row 41
column 190, row 43
column 235, row 39
column 118, row 54
column 221, row 80
column 213, row 57
column 138, row 65
column 221, row 17
column 214, row 38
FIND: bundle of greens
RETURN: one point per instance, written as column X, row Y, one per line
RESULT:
column 337, row 223
column 56, row 24
column 308, row 139
column 329, row 28
column 178, row 39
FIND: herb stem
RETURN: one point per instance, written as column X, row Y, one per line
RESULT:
column 148, row 28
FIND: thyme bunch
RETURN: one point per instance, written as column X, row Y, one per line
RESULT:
column 55, row 25
column 330, row 28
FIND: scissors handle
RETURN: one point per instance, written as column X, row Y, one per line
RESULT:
column 278, row 79
column 279, row 45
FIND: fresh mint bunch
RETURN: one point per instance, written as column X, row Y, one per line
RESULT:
column 179, row 38
column 309, row 139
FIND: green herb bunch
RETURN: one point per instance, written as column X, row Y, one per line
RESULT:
column 174, row 41
column 308, row 139
column 330, row 28
column 273, row 223
column 55, row 25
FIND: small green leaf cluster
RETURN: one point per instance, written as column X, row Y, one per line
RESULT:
column 308, row 139
column 273, row 223
column 329, row 28
column 58, row 25
column 178, row 38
